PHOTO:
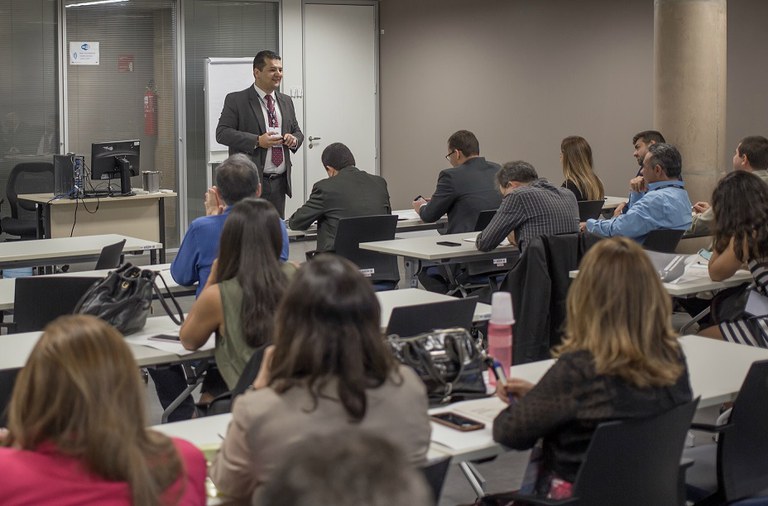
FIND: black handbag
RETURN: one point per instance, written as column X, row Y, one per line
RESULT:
column 448, row 361
column 124, row 297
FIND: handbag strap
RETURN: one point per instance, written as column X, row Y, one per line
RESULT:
column 177, row 319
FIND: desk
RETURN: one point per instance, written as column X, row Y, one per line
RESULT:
column 17, row 347
column 407, row 221
column 419, row 252
column 613, row 202
column 141, row 216
column 716, row 368
column 68, row 249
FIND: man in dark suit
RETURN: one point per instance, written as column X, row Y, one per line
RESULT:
column 261, row 122
column 347, row 192
column 464, row 190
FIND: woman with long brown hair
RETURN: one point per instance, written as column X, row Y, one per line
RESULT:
column 329, row 369
column 240, row 298
column 580, row 177
column 77, row 430
column 620, row 359
column 740, row 207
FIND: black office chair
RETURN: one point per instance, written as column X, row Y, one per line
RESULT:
column 663, row 240
column 380, row 268
column 590, row 209
column 29, row 314
column 111, row 256
column 735, row 469
column 222, row 403
column 435, row 473
column 28, row 177
column 631, row 463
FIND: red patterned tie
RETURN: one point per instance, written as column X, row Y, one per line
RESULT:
column 277, row 151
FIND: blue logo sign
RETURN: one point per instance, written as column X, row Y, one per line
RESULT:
column 85, row 47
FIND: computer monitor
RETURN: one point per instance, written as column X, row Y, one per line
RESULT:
column 116, row 159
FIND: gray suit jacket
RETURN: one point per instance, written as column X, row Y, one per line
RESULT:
column 241, row 122
column 352, row 192
column 463, row 192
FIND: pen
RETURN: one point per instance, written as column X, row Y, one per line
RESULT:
column 501, row 378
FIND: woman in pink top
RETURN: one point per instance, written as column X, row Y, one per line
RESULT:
column 76, row 428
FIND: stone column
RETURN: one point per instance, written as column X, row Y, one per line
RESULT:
column 689, row 87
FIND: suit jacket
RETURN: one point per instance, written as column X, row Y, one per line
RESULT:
column 351, row 192
column 463, row 192
column 242, row 121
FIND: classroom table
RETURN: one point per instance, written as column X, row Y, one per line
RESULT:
column 69, row 250
column 413, row 296
column 17, row 347
column 613, row 202
column 420, row 252
column 716, row 369
column 141, row 216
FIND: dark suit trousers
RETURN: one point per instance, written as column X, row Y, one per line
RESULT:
column 274, row 188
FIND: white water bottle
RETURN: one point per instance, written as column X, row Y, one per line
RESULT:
column 500, row 331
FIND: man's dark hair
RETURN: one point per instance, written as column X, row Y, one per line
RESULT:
column 338, row 156
column 668, row 158
column 262, row 56
column 649, row 136
column 756, row 149
column 517, row 171
column 465, row 141
column 237, row 178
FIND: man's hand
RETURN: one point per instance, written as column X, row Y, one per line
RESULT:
column 582, row 226
column 418, row 203
column 290, row 141
column 619, row 209
column 270, row 139
column 700, row 207
column 212, row 201
column 637, row 184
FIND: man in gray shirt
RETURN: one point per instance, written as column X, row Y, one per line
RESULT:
column 530, row 207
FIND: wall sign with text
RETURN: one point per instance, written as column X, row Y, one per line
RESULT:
column 83, row 53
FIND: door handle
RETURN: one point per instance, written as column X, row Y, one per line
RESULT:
column 311, row 139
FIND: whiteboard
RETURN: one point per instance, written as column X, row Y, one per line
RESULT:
column 222, row 76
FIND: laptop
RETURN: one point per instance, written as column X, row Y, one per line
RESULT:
column 407, row 321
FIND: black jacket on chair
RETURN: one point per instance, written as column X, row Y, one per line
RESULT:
column 539, row 284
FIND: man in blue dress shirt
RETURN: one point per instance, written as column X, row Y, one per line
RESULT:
column 659, row 200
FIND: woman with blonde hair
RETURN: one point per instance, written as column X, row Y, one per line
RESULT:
column 620, row 359
column 329, row 370
column 580, row 178
column 76, row 428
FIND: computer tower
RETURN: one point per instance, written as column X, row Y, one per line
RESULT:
column 68, row 175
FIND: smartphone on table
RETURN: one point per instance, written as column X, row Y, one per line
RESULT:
column 456, row 421
column 448, row 243
column 167, row 338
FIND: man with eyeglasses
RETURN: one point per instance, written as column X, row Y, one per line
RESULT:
column 464, row 190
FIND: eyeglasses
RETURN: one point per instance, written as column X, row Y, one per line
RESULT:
column 448, row 156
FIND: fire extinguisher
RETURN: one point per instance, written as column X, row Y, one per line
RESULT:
column 150, row 110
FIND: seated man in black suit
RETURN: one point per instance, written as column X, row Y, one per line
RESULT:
column 347, row 192
column 464, row 190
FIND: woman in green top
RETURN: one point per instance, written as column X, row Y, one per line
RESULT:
column 241, row 295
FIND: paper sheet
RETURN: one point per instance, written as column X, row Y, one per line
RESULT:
column 505, row 242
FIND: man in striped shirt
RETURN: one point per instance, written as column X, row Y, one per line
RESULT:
column 530, row 207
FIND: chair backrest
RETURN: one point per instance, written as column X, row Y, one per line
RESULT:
column 407, row 321
column 29, row 314
column 636, row 462
column 377, row 267
column 435, row 473
column 28, row 177
column 110, row 256
column 483, row 219
column 742, row 464
column 590, row 209
column 663, row 240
